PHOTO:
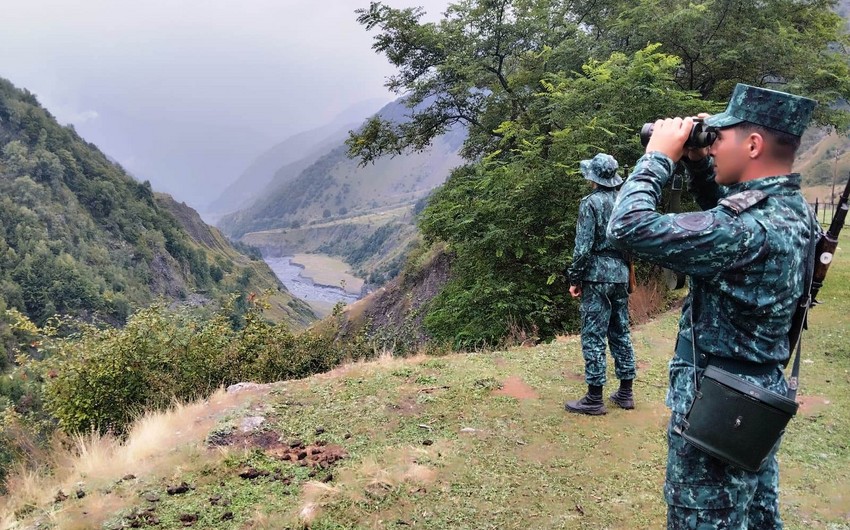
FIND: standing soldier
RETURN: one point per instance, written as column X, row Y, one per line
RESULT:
column 600, row 276
column 746, row 256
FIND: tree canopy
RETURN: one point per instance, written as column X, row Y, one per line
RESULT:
column 542, row 84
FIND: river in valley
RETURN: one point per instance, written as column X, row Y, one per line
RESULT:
column 305, row 288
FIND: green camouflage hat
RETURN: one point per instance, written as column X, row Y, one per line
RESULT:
column 601, row 169
column 769, row 108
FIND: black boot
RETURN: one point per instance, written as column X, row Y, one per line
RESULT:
column 624, row 397
column 590, row 404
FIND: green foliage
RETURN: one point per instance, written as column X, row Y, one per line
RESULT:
column 78, row 236
column 794, row 45
column 511, row 218
column 101, row 378
column 538, row 96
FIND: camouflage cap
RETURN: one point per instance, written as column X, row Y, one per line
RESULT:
column 769, row 108
column 601, row 169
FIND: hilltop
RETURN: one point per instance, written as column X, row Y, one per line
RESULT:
column 474, row 440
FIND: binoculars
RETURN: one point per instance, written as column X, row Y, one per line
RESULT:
column 701, row 135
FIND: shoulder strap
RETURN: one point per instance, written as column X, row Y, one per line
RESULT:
column 798, row 322
column 743, row 201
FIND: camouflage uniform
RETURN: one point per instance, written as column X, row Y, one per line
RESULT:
column 603, row 275
column 745, row 255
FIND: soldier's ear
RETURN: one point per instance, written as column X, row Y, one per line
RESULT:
column 756, row 145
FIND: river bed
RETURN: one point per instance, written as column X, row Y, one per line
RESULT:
column 305, row 288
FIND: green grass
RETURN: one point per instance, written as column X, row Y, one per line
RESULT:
column 414, row 461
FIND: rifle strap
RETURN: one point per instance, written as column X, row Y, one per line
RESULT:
column 804, row 304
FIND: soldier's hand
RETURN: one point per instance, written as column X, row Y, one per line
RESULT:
column 575, row 291
column 669, row 137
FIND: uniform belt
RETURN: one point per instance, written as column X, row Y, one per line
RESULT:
column 685, row 351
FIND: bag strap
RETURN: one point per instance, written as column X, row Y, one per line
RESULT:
column 804, row 304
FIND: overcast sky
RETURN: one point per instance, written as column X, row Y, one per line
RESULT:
column 185, row 93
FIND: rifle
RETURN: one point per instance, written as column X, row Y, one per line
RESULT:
column 829, row 241
column 824, row 252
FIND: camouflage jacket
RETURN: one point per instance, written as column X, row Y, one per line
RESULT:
column 745, row 253
column 594, row 258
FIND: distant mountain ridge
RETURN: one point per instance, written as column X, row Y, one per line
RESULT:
column 287, row 159
column 337, row 187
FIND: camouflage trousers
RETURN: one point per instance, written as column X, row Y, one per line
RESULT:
column 605, row 314
column 704, row 493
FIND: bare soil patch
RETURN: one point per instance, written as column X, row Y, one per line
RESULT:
column 811, row 405
column 319, row 454
column 515, row 387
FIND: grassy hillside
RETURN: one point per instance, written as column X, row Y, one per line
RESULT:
column 240, row 266
column 460, row 441
column 80, row 237
column 824, row 157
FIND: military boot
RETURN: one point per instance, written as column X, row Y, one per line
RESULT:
column 624, row 397
column 591, row 403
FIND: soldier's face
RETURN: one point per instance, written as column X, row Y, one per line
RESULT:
column 730, row 157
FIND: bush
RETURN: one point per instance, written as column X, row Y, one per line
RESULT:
column 102, row 378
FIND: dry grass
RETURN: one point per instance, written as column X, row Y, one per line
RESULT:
column 156, row 442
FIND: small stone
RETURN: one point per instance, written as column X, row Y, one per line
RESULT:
column 252, row 473
column 227, row 516
column 328, row 478
column 179, row 489
column 129, row 476
column 251, row 423
column 320, row 431
column 296, row 443
column 468, row 430
column 189, row 519
column 215, row 499
column 347, row 436
column 427, row 442
column 241, row 387
column 80, row 493
column 151, row 497
column 60, row 496
column 302, row 455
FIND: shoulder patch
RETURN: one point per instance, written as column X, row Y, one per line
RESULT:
column 695, row 221
column 741, row 202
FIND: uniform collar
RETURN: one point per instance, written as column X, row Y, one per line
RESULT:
column 770, row 185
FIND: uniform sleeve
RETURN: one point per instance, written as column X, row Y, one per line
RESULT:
column 695, row 243
column 701, row 184
column 584, row 242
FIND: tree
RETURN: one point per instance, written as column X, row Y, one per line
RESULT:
column 542, row 84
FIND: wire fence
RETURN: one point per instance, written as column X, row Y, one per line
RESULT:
column 825, row 211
